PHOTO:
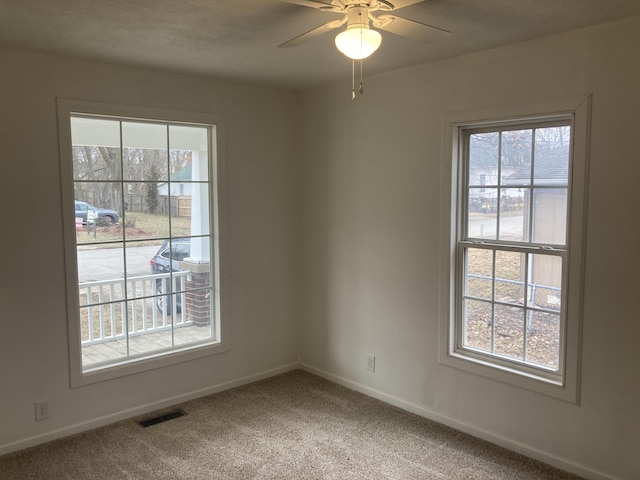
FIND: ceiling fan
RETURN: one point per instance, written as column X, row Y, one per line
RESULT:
column 358, row 40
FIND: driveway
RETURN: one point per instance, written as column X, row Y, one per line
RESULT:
column 108, row 264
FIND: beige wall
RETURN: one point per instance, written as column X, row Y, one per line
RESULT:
column 372, row 231
column 262, row 239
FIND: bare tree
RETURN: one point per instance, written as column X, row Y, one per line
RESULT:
column 100, row 172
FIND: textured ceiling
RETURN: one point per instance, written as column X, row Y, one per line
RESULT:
column 237, row 39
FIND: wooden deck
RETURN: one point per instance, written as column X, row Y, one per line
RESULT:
column 142, row 344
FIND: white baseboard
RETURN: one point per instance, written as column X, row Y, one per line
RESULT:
column 510, row 444
column 141, row 410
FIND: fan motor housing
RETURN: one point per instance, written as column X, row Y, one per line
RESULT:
column 357, row 17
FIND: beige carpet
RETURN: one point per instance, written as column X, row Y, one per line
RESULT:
column 294, row 426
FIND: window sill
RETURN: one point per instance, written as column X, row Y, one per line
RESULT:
column 142, row 364
column 529, row 381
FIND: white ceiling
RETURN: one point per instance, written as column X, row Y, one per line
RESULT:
column 237, row 39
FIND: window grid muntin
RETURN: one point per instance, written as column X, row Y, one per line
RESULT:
column 466, row 185
column 125, row 303
column 528, row 247
column 528, row 306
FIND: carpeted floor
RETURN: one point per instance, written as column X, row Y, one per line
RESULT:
column 293, row 426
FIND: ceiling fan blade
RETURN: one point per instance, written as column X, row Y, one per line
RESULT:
column 309, row 3
column 398, row 4
column 409, row 28
column 316, row 32
column 327, row 6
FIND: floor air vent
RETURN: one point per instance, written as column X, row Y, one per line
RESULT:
column 161, row 418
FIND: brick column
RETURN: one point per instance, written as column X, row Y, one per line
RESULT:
column 197, row 297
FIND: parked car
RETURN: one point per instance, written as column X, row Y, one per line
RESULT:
column 167, row 259
column 89, row 214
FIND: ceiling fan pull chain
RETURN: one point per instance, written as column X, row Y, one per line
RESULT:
column 361, row 84
column 353, row 79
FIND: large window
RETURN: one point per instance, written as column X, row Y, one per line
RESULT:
column 142, row 241
column 516, row 249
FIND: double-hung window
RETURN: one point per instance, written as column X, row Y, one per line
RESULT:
column 517, row 208
column 512, row 251
column 142, row 241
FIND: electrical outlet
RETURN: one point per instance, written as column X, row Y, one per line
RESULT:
column 371, row 363
column 42, row 410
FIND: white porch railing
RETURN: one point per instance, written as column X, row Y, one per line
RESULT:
column 105, row 309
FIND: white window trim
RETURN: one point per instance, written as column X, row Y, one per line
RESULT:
column 67, row 107
column 578, row 108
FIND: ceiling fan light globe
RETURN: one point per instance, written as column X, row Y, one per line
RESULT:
column 358, row 43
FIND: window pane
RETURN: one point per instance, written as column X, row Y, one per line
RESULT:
column 98, row 204
column 546, row 282
column 516, row 157
column 187, row 219
column 509, row 336
column 147, row 331
column 95, row 131
column 479, row 274
column 100, row 263
column 144, row 135
column 102, row 321
column 147, row 215
column 189, row 153
column 551, row 162
column 188, row 138
column 483, row 158
column 509, row 281
column 550, row 215
column 96, row 149
column 166, row 304
column 95, row 163
column 191, row 334
column 197, row 317
column 482, row 213
column 98, row 323
column 145, row 164
column 140, row 314
column 512, row 218
column 477, row 325
column 543, row 339
column 199, row 252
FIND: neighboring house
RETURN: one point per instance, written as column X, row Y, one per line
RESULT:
column 180, row 183
column 550, row 180
column 482, row 197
